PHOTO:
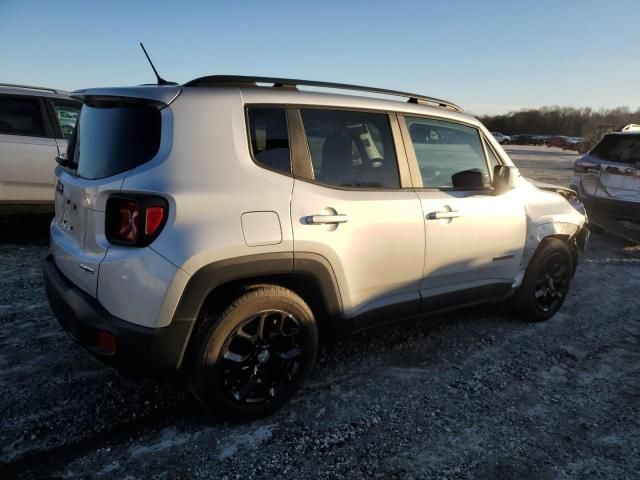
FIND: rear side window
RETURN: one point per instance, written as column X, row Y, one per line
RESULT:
column 269, row 138
column 113, row 137
column 351, row 149
column 21, row 116
column 449, row 155
column 623, row 148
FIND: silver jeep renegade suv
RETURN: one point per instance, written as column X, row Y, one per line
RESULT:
column 215, row 227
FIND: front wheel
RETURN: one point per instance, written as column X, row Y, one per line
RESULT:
column 252, row 357
column 546, row 282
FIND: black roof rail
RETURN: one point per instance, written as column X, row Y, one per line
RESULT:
column 30, row 87
column 248, row 81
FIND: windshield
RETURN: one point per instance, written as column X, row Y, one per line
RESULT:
column 114, row 136
column 623, row 148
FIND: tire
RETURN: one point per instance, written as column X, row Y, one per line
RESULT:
column 252, row 357
column 546, row 282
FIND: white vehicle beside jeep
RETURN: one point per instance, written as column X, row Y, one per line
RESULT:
column 35, row 125
column 217, row 227
column 501, row 138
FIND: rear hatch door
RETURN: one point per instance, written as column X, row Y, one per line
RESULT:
column 77, row 232
column 118, row 130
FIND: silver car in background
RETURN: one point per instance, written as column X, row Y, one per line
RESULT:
column 607, row 179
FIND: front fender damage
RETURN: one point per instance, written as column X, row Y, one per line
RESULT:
column 576, row 237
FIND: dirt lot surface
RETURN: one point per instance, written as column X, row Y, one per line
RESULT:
column 472, row 394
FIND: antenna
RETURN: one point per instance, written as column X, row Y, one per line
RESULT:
column 161, row 81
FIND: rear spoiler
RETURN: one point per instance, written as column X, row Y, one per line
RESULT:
column 159, row 95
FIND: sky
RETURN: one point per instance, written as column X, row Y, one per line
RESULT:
column 489, row 57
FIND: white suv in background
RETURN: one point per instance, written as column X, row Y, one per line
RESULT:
column 217, row 227
column 501, row 138
column 35, row 125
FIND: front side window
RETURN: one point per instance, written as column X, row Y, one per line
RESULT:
column 270, row 138
column 21, row 116
column 449, row 155
column 351, row 149
column 67, row 113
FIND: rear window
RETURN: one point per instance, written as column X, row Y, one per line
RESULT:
column 113, row 136
column 618, row 148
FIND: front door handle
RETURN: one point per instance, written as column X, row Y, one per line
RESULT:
column 440, row 215
column 326, row 219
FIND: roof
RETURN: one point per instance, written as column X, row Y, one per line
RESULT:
column 31, row 90
column 238, row 81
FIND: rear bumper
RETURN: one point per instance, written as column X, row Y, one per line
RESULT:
column 609, row 207
column 140, row 351
column 612, row 208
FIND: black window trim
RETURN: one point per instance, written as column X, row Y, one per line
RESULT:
column 413, row 160
column 487, row 147
column 46, row 124
column 250, row 106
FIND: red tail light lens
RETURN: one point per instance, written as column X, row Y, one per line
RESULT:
column 153, row 219
column 107, row 342
column 136, row 220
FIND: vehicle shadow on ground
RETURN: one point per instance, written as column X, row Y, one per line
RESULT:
column 25, row 231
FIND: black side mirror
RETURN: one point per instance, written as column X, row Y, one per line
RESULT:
column 62, row 160
column 468, row 179
column 504, row 178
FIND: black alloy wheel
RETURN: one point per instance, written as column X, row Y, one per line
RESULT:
column 262, row 356
column 249, row 358
column 546, row 282
column 552, row 284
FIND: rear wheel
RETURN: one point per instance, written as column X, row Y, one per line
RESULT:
column 546, row 282
column 254, row 355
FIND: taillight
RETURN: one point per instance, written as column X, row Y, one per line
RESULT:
column 153, row 219
column 135, row 220
column 128, row 213
column 582, row 166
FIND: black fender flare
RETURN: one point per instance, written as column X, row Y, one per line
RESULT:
column 219, row 273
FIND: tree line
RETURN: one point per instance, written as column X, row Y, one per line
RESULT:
column 554, row 120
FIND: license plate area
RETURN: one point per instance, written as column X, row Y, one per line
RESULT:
column 68, row 214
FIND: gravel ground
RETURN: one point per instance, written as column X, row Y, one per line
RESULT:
column 470, row 394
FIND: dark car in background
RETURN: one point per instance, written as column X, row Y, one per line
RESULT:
column 527, row 139
column 565, row 143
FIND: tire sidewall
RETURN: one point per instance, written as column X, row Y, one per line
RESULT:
column 208, row 376
column 524, row 298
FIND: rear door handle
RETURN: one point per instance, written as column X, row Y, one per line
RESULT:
column 326, row 219
column 441, row 215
